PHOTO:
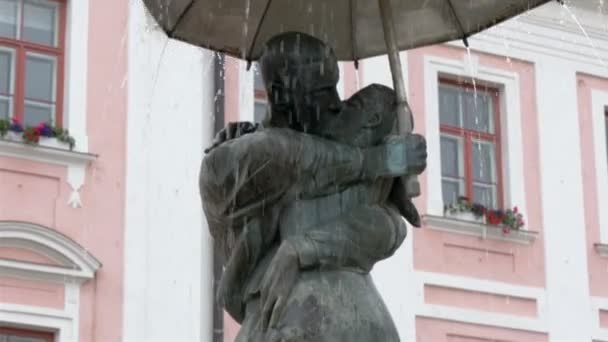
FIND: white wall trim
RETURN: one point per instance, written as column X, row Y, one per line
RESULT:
column 76, row 71
column 341, row 85
column 246, row 92
column 599, row 103
column 480, row 230
column 482, row 318
column 80, row 264
column 550, row 31
column 77, row 266
column 64, row 324
column 536, row 324
column 511, row 125
column 76, row 162
column 598, row 333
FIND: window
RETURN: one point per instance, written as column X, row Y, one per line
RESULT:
column 18, row 335
column 260, row 97
column 31, row 60
column 470, row 143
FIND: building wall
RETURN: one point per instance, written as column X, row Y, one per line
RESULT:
column 69, row 206
column 451, row 282
column 168, row 260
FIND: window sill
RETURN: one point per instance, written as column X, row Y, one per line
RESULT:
column 48, row 150
column 478, row 229
column 602, row 249
column 52, row 151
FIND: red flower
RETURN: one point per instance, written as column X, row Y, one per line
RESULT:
column 37, row 130
column 506, row 230
column 15, row 121
column 515, row 210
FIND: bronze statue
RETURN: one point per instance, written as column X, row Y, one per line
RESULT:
column 307, row 205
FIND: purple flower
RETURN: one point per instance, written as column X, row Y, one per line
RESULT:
column 478, row 209
column 499, row 213
column 16, row 126
column 45, row 129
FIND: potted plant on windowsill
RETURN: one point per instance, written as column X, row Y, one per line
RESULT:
column 464, row 209
column 44, row 134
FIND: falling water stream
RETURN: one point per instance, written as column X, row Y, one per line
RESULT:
column 584, row 31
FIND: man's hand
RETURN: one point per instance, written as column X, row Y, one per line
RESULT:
column 399, row 155
column 280, row 278
column 232, row 131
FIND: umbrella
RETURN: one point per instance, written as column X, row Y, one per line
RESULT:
column 355, row 29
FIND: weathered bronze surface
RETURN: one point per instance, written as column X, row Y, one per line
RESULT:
column 306, row 205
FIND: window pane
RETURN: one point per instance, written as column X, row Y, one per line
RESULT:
column 485, row 195
column 36, row 113
column 451, row 191
column 6, row 72
column 39, row 22
column 451, row 156
column 5, row 107
column 259, row 111
column 478, row 112
column 40, row 78
column 484, row 168
column 8, row 18
column 449, row 106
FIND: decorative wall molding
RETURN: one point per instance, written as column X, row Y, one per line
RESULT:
column 76, row 162
column 76, row 70
column 77, row 265
column 598, row 303
column 483, row 231
column 599, row 104
column 550, row 32
column 472, row 316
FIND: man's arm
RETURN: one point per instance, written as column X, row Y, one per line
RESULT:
column 245, row 174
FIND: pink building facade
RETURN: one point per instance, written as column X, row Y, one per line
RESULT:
column 517, row 121
column 107, row 242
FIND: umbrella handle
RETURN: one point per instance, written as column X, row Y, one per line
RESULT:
column 405, row 118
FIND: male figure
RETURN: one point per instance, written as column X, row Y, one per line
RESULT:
column 298, row 107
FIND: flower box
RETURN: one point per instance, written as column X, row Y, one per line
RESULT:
column 44, row 134
column 465, row 216
column 464, row 210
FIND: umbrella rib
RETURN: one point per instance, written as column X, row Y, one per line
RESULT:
column 353, row 28
column 257, row 31
column 464, row 35
column 181, row 16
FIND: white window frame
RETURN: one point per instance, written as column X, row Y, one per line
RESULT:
column 513, row 184
column 599, row 105
column 76, row 72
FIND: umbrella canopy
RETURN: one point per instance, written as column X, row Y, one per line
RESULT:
column 352, row 27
